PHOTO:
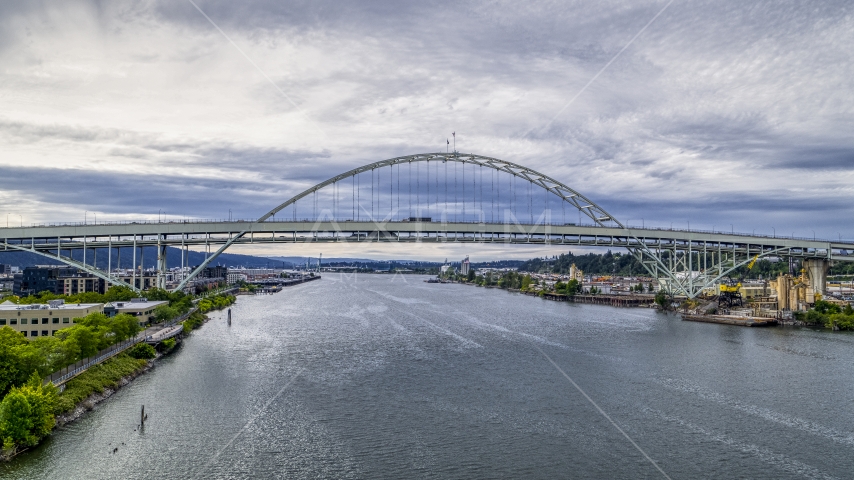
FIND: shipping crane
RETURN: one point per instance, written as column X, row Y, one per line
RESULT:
column 730, row 290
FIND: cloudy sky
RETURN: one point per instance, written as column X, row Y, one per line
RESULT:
column 713, row 113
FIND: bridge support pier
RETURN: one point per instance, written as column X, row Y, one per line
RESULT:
column 817, row 270
column 161, row 265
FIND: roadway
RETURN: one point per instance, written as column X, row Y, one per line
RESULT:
column 196, row 233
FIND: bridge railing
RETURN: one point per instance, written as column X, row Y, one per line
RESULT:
column 343, row 222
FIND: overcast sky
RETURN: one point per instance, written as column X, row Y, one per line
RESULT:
column 716, row 113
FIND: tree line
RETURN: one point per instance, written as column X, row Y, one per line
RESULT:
column 625, row 264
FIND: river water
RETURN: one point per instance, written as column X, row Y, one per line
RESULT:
column 389, row 377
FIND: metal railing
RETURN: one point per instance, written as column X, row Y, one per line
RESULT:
column 67, row 373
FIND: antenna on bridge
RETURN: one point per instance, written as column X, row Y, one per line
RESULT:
column 454, row 134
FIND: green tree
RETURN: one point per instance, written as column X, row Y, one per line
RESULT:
column 42, row 399
column 119, row 293
column 83, row 336
column 16, row 419
column 123, row 326
column 572, row 287
column 26, row 412
column 18, row 359
column 661, row 299
column 56, row 352
column 165, row 313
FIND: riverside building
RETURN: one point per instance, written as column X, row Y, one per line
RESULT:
column 141, row 308
column 42, row 320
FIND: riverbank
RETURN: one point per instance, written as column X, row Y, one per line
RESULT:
column 98, row 384
column 82, row 393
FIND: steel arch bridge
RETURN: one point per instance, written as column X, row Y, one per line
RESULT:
column 688, row 261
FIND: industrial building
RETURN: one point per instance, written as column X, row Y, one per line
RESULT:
column 465, row 266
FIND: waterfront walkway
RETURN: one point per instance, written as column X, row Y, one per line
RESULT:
column 164, row 334
column 172, row 329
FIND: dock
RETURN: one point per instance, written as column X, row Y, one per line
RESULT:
column 732, row 320
column 615, row 300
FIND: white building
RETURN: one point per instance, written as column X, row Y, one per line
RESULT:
column 234, row 277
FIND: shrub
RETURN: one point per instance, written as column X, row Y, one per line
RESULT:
column 142, row 351
column 194, row 321
column 96, row 379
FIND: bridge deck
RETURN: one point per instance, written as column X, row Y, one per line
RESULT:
column 214, row 233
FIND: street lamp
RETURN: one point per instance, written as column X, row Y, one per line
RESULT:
column 22, row 219
column 158, row 215
column 775, row 232
column 229, row 214
column 731, row 229
column 813, row 235
column 85, row 213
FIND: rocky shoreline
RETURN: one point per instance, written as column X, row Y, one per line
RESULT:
column 89, row 403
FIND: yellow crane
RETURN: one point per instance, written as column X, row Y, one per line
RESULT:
column 730, row 290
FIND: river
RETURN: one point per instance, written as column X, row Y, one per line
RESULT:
column 375, row 376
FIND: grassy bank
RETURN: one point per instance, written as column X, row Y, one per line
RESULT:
column 95, row 380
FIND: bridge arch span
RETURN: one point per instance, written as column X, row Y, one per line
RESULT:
column 552, row 186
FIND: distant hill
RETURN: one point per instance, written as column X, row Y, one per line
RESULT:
column 302, row 260
column 148, row 257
